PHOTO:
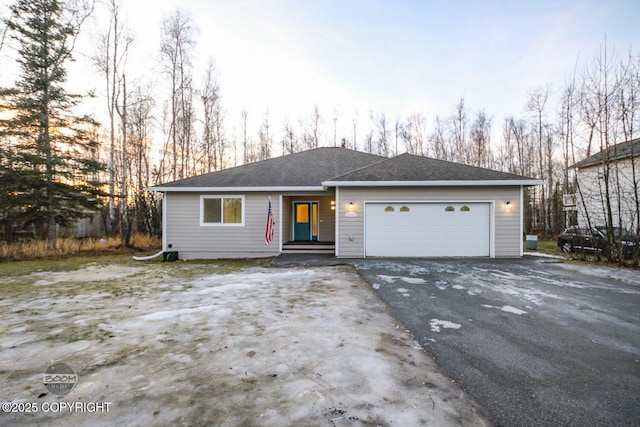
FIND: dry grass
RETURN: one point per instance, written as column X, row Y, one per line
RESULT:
column 37, row 249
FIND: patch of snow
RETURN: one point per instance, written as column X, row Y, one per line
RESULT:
column 564, row 283
column 180, row 358
column 507, row 283
column 91, row 273
column 442, row 284
column 460, row 287
column 388, row 279
column 214, row 287
column 162, row 315
column 543, row 255
column 413, row 280
column 513, row 310
column 506, row 308
column 622, row 275
column 436, row 324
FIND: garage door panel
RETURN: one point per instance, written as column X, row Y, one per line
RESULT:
column 427, row 229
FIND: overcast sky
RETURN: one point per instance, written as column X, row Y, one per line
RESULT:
column 396, row 57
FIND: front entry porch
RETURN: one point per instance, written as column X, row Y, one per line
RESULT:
column 308, row 223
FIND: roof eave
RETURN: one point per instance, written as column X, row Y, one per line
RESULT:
column 449, row 183
column 234, row 189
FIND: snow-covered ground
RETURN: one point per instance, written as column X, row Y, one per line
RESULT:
column 182, row 344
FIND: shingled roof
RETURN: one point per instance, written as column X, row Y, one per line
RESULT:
column 623, row 150
column 304, row 169
column 333, row 166
column 407, row 168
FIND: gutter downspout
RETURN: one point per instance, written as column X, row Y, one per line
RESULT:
column 337, row 214
column 280, row 224
column 521, row 219
column 164, row 222
column 164, row 234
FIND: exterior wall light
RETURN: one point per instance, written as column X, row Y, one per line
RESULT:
column 333, row 205
column 507, row 204
column 350, row 205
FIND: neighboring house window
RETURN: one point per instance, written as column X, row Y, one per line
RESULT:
column 221, row 210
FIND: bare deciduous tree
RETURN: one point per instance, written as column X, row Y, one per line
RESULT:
column 289, row 140
column 312, row 129
column 458, row 133
column 480, row 136
column 110, row 59
column 380, row 141
column 248, row 150
column 176, row 48
column 438, row 140
column 264, row 138
column 213, row 142
column 414, row 134
column 537, row 106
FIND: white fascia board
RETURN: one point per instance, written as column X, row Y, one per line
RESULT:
column 233, row 189
column 469, row 183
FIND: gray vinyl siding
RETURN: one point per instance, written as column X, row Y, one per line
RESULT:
column 193, row 241
column 507, row 232
column 287, row 218
column 327, row 219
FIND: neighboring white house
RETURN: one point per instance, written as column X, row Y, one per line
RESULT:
column 621, row 162
column 348, row 203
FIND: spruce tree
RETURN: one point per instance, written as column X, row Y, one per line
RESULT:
column 48, row 168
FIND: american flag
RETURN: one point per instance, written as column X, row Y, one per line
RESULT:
column 268, row 234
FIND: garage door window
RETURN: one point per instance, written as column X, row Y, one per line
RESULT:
column 465, row 209
column 404, row 209
column 389, row 209
column 449, row 209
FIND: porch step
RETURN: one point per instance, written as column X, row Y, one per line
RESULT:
column 309, row 249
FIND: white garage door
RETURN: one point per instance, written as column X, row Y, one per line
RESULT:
column 427, row 229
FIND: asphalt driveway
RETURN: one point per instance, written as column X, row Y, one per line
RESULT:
column 535, row 341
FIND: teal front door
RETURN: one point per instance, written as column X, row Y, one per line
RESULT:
column 305, row 221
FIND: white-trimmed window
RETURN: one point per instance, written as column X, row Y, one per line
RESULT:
column 222, row 210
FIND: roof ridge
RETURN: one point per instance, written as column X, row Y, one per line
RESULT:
column 383, row 159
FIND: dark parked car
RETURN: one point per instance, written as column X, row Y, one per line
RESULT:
column 579, row 239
